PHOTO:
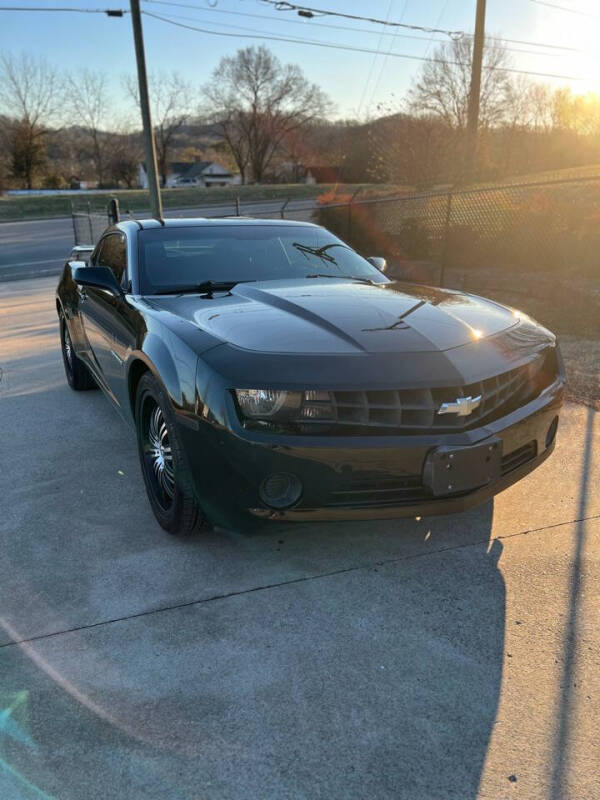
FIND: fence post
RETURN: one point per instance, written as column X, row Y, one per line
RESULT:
column 444, row 259
column 237, row 206
column 74, row 225
column 90, row 222
column 282, row 209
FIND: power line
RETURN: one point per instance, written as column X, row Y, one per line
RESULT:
column 332, row 46
column 439, row 19
column 308, row 11
column 288, row 21
column 565, row 8
column 111, row 12
column 379, row 43
column 352, row 29
column 384, row 59
column 120, row 12
column 531, row 44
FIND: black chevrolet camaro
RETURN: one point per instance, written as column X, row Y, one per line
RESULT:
column 271, row 372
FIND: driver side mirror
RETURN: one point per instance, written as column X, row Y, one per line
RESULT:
column 97, row 278
column 378, row 262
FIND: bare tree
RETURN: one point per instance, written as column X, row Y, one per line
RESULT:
column 5, row 138
column 541, row 107
column 87, row 97
column 124, row 154
column 257, row 102
column 407, row 149
column 442, row 87
column 30, row 92
column 171, row 105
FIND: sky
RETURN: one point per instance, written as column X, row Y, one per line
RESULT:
column 356, row 82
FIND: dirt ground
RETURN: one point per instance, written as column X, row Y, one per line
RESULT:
column 582, row 360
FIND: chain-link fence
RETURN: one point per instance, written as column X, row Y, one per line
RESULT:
column 549, row 228
column 88, row 225
column 534, row 246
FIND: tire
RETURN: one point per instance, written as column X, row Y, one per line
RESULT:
column 79, row 377
column 166, row 477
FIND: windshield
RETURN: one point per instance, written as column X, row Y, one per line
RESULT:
column 172, row 258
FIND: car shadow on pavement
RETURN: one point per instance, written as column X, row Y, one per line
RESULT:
column 424, row 627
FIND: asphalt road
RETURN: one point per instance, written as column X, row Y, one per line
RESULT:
column 34, row 248
column 455, row 657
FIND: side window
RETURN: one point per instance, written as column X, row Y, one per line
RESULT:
column 113, row 254
column 96, row 254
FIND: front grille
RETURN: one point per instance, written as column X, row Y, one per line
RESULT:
column 416, row 410
column 381, row 492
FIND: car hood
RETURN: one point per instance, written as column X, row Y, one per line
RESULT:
column 335, row 316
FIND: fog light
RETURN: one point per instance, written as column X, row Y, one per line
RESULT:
column 551, row 432
column 280, row 490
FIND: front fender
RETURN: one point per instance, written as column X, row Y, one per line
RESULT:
column 172, row 363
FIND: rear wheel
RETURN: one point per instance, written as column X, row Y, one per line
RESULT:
column 161, row 458
column 78, row 375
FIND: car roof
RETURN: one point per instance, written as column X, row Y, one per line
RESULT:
column 194, row 222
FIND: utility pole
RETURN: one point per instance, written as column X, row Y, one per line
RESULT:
column 149, row 146
column 470, row 161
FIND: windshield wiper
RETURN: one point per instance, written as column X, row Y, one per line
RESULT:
column 320, row 252
column 206, row 287
column 343, row 277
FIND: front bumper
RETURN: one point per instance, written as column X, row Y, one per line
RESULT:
column 356, row 477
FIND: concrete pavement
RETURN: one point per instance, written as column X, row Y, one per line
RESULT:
column 455, row 657
column 34, row 248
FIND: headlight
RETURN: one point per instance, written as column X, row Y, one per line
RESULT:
column 268, row 403
column 273, row 405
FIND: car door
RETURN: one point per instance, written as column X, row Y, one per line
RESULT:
column 107, row 318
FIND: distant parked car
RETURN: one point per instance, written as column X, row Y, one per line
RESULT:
column 186, row 182
column 272, row 373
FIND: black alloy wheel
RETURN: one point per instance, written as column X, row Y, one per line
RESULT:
column 162, row 461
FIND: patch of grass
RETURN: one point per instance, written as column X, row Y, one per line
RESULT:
column 136, row 200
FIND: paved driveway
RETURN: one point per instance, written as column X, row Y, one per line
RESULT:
column 441, row 658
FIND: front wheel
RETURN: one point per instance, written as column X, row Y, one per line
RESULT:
column 161, row 458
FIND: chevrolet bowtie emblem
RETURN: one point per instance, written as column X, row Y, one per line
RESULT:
column 463, row 406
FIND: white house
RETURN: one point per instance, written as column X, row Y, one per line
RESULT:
column 192, row 173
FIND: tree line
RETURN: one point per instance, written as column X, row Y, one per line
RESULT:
column 266, row 121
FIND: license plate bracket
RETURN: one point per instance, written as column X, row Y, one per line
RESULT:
column 451, row 469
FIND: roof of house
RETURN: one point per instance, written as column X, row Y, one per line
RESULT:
column 199, row 167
